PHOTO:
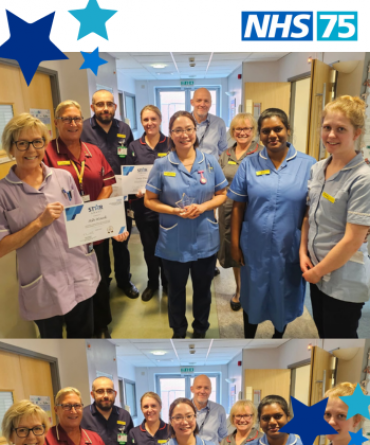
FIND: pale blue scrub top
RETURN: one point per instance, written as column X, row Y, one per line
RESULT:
column 343, row 198
column 181, row 239
column 293, row 439
column 272, row 287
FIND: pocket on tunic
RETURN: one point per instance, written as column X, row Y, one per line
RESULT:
column 34, row 296
column 15, row 219
column 168, row 238
column 293, row 256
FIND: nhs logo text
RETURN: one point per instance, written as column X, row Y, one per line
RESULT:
column 277, row 25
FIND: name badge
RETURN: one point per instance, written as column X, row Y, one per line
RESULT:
column 169, row 174
column 328, row 197
column 122, row 151
column 232, row 162
column 263, row 172
column 121, row 438
column 162, row 441
column 64, row 162
column 162, row 155
column 121, row 422
column 85, row 198
column 119, row 135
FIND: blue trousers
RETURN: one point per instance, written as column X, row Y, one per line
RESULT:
column 202, row 272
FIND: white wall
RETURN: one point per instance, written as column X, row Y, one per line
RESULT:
column 234, row 372
column 234, row 85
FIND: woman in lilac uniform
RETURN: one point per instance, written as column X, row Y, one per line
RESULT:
column 56, row 283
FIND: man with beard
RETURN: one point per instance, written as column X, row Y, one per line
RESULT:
column 112, row 137
column 111, row 422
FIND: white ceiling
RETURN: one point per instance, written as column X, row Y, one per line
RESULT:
column 207, row 352
column 207, row 65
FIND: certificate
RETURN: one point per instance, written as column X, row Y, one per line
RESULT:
column 117, row 188
column 94, row 221
column 135, row 178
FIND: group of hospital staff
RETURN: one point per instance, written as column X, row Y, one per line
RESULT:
column 103, row 423
column 284, row 218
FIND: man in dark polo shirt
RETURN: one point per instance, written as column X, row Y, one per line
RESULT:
column 112, row 137
column 111, row 422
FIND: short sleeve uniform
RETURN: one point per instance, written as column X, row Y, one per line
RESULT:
column 57, row 436
column 272, row 287
column 229, row 164
column 293, row 439
column 140, row 436
column 53, row 278
column 185, row 240
column 341, row 199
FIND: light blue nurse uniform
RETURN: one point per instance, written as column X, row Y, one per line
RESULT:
column 272, row 287
column 293, row 439
column 180, row 239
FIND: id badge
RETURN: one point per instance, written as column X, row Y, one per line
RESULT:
column 122, row 151
column 121, row 438
column 85, row 198
column 130, row 213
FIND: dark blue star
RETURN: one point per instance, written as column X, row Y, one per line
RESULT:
column 29, row 44
column 315, row 415
column 357, row 403
column 357, row 438
column 92, row 61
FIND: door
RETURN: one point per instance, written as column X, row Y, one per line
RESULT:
column 321, row 92
column 268, row 381
column 322, row 374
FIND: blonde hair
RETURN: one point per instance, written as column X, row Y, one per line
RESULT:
column 19, row 123
column 153, row 108
column 240, row 405
column 343, row 389
column 65, row 391
column 353, row 109
column 242, row 117
column 153, row 395
column 66, row 104
column 14, row 414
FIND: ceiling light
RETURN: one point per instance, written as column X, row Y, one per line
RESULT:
column 192, row 64
column 159, row 352
column 191, row 346
column 158, row 66
column 191, row 59
column 192, row 351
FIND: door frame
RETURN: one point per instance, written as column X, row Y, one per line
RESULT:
column 293, row 367
column 293, row 81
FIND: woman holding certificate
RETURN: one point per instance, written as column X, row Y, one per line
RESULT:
column 94, row 178
column 151, row 146
column 185, row 187
column 56, row 283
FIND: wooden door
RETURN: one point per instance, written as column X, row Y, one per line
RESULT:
column 268, row 381
column 321, row 91
column 322, row 373
column 268, row 94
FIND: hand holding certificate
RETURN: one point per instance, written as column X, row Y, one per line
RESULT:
column 95, row 221
column 135, row 178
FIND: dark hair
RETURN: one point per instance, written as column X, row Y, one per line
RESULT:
column 272, row 112
column 173, row 406
column 171, row 145
column 269, row 400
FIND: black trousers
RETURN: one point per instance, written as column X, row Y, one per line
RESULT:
column 79, row 321
column 334, row 318
column 251, row 329
column 149, row 232
column 202, row 273
column 102, row 312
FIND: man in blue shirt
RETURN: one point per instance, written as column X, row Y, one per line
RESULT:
column 211, row 417
column 112, row 137
column 111, row 422
column 211, row 130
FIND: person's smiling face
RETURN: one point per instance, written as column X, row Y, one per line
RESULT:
column 243, row 419
column 151, row 122
column 337, row 133
column 69, row 132
column 183, row 133
column 32, row 157
column 183, row 420
column 69, row 418
column 28, row 422
column 273, row 134
column 335, row 415
column 272, row 419
column 151, row 409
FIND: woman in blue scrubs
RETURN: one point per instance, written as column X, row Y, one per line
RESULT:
column 184, row 188
column 269, row 192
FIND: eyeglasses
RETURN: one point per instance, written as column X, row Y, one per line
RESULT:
column 179, row 132
column 105, row 104
column 242, row 416
column 103, row 391
column 23, row 431
column 68, row 407
column 23, row 145
column 188, row 418
column 245, row 129
column 68, row 120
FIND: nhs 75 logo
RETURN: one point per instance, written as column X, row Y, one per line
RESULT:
column 277, row 25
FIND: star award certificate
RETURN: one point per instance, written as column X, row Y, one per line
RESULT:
column 135, row 178
column 95, row 221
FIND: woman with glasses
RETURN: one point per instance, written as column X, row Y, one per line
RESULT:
column 25, row 423
column 269, row 192
column 56, row 283
column 69, row 409
column 243, row 129
column 243, row 416
column 183, row 423
column 184, row 188
column 151, row 146
column 153, row 429
column 94, row 178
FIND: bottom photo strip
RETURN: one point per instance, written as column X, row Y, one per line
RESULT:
column 186, row 392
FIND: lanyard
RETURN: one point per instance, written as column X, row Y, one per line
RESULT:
column 205, row 131
column 204, row 421
column 80, row 175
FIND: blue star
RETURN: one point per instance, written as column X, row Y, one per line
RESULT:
column 92, row 19
column 29, row 44
column 314, row 415
column 92, row 61
column 357, row 403
column 357, row 438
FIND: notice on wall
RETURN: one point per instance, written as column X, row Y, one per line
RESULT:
column 44, row 403
column 44, row 116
